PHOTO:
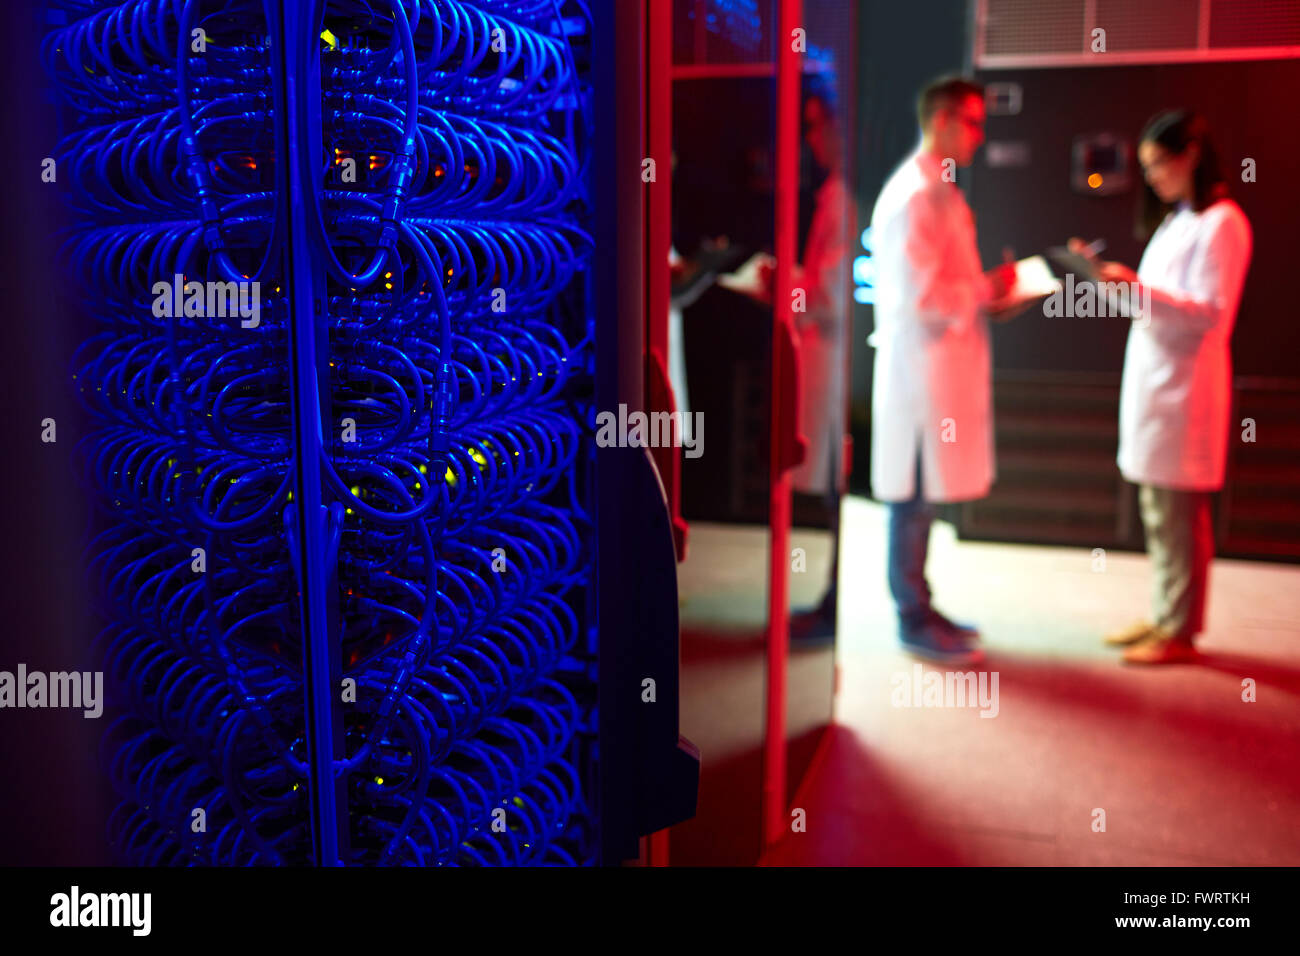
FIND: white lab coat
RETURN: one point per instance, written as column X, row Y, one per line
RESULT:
column 821, row 332
column 1176, row 394
column 932, row 382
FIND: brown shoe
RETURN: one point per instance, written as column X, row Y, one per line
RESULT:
column 1129, row 635
column 1161, row 647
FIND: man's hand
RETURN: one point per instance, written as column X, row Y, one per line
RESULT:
column 754, row 279
column 1003, row 279
column 764, row 290
column 1007, row 313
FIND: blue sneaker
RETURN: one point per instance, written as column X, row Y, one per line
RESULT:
column 936, row 641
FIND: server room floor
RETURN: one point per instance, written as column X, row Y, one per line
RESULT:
column 723, row 605
column 1185, row 771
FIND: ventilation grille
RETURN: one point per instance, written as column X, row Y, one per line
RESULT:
column 1028, row 33
column 1243, row 23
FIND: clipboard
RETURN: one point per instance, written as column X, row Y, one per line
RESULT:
column 1064, row 262
column 1035, row 281
column 1076, row 271
column 711, row 265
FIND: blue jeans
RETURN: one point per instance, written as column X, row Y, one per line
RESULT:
column 909, row 542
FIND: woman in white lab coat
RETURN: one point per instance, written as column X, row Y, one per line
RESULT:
column 824, row 277
column 1176, row 394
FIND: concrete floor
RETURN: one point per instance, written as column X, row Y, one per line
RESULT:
column 1186, row 772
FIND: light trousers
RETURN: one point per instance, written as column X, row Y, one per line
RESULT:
column 1180, row 542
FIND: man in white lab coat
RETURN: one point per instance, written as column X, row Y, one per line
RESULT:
column 932, row 428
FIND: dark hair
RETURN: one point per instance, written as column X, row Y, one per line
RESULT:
column 943, row 93
column 818, row 87
column 1175, row 131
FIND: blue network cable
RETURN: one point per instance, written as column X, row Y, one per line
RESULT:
column 443, row 210
column 736, row 21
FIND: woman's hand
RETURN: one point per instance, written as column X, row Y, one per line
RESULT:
column 1115, row 272
column 1106, row 271
column 1081, row 248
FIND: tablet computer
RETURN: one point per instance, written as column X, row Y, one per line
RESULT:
column 1064, row 262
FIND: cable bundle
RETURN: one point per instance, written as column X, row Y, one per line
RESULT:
column 445, row 226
